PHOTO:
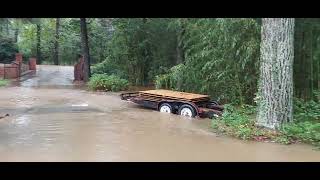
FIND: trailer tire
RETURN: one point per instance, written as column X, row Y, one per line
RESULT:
column 187, row 110
column 166, row 107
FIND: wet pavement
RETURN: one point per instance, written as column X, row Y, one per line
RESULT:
column 53, row 120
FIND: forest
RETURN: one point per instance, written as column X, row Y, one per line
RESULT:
column 234, row 60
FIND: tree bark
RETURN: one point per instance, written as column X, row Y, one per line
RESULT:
column 179, row 51
column 16, row 33
column 276, row 81
column 7, row 27
column 39, row 60
column 56, row 43
column 297, row 66
column 311, row 62
column 316, row 66
column 85, row 49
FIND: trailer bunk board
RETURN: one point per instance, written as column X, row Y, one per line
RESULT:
column 159, row 94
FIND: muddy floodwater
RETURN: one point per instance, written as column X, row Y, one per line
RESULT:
column 53, row 120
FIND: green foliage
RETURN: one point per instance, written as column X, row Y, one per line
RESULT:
column 109, row 68
column 283, row 139
column 306, row 126
column 316, row 95
column 3, row 82
column 221, row 59
column 171, row 79
column 99, row 34
column 141, row 48
column 236, row 122
column 306, row 110
column 69, row 40
column 7, row 50
column 107, row 83
column 308, row 132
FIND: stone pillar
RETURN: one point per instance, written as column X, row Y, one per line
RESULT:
column 33, row 64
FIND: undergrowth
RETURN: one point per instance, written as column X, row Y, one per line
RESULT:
column 107, row 83
column 240, row 122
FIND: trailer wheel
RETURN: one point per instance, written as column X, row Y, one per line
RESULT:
column 187, row 110
column 165, row 107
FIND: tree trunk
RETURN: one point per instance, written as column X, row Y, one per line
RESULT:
column 307, row 62
column 179, row 52
column 56, row 43
column 39, row 60
column 179, row 61
column 297, row 66
column 276, row 81
column 316, row 66
column 85, row 49
column 311, row 62
column 16, row 33
column 7, row 27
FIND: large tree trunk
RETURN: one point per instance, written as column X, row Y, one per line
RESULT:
column 39, row 60
column 276, row 84
column 56, row 43
column 85, row 49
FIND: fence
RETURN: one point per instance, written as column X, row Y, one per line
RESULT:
column 17, row 68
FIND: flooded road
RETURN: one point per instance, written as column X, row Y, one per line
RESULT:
column 52, row 120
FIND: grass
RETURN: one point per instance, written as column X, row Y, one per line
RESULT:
column 240, row 122
column 3, row 82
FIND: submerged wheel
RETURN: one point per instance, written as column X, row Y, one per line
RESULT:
column 187, row 110
column 166, row 108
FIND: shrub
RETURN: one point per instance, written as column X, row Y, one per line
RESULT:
column 306, row 111
column 308, row 132
column 109, row 68
column 236, row 122
column 107, row 83
column 7, row 50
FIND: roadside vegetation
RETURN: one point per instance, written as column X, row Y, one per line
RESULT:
column 3, row 82
column 240, row 122
column 105, row 82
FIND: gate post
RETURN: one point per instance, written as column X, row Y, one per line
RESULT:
column 33, row 64
column 78, row 70
column 18, row 60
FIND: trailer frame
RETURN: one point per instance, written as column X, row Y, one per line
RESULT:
column 205, row 108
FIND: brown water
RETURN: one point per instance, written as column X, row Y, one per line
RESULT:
column 51, row 120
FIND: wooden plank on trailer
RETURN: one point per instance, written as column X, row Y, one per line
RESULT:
column 158, row 98
column 164, row 97
column 175, row 98
column 174, row 94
